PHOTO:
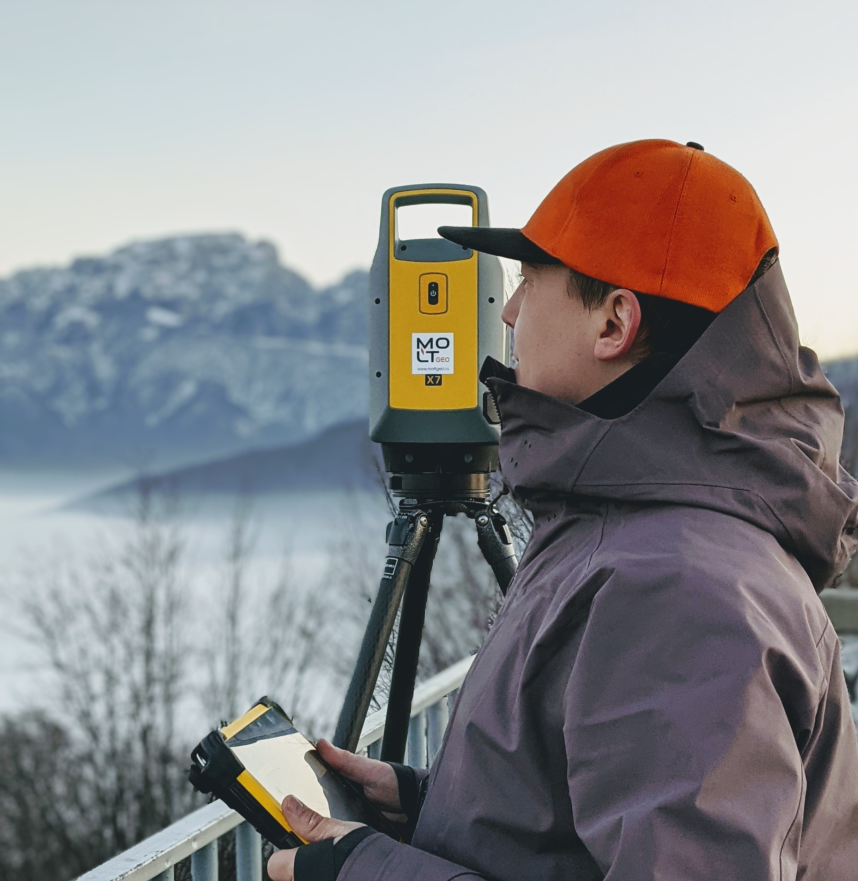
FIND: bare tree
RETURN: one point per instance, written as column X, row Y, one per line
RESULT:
column 100, row 760
column 356, row 552
column 225, row 655
column 45, row 817
column 267, row 635
column 112, row 634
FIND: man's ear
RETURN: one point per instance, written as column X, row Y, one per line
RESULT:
column 618, row 329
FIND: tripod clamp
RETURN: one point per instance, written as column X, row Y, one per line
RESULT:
column 495, row 542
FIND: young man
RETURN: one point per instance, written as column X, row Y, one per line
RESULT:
column 661, row 694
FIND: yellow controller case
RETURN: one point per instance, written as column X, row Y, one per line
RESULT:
column 253, row 763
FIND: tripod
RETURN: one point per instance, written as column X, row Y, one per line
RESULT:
column 432, row 481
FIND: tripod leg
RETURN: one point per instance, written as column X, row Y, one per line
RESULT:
column 495, row 542
column 406, row 536
column 408, row 647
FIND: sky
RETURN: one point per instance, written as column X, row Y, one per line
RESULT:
column 127, row 119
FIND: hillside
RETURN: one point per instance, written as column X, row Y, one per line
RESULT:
column 172, row 351
column 340, row 458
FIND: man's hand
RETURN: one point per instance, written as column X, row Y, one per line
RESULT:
column 380, row 787
column 311, row 827
column 378, row 779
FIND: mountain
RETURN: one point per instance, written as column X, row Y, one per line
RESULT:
column 340, row 458
column 187, row 349
column 173, row 351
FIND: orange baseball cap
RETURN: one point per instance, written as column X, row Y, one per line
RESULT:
column 653, row 216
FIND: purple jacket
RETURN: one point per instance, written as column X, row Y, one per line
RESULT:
column 661, row 695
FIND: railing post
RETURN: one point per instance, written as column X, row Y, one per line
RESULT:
column 436, row 724
column 196, row 836
column 248, row 853
column 204, row 863
column 417, row 740
column 373, row 751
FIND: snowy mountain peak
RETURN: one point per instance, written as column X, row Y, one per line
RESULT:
column 174, row 350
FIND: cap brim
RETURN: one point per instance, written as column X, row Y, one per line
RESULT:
column 511, row 243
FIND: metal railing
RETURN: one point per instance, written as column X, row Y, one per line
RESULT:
column 197, row 835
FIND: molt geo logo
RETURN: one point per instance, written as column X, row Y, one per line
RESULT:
column 431, row 353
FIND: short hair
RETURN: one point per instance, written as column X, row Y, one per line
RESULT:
column 667, row 326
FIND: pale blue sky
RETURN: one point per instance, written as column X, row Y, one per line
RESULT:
column 137, row 118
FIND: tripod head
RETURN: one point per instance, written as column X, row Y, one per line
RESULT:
column 436, row 472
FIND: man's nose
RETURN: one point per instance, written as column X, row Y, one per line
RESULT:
column 510, row 310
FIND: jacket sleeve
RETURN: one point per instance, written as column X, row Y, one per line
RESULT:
column 379, row 858
column 326, row 861
column 411, row 783
column 682, row 716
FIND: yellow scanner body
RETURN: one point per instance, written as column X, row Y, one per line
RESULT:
column 435, row 314
column 433, row 325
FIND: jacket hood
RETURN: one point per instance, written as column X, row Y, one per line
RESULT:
column 746, row 424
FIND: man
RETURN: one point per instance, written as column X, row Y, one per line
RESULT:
column 661, row 695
